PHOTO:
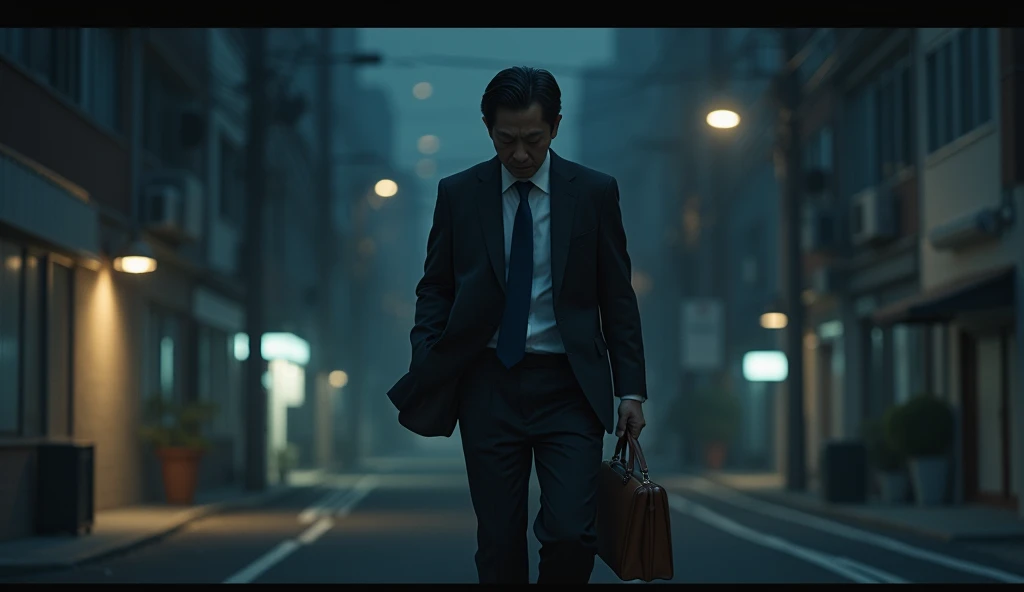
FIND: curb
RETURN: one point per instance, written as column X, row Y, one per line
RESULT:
column 837, row 511
column 9, row 570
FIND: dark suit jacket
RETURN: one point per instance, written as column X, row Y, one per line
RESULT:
column 460, row 300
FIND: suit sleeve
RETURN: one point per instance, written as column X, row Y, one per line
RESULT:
column 435, row 290
column 620, row 315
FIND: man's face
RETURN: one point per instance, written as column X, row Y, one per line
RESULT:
column 522, row 138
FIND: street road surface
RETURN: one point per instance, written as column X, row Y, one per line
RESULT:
column 420, row 528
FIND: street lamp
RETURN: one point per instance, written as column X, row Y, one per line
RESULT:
column 386, row 188
column 137, row 258
column 723, row 119
column 774, row 315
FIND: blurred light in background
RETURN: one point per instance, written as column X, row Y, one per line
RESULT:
column 774, row 320
column 426, row 168
column 338, row 378
column 428, row 144
column 723, row 119
column 765, row 366
column 422, row 90
column 386, row 188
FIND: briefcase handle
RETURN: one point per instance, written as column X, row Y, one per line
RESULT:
column 635, row 454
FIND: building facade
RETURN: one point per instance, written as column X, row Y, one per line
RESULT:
column 111, row 128
column 971, row 248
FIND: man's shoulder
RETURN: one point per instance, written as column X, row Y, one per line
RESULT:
column 588, row 174
column 472, row 173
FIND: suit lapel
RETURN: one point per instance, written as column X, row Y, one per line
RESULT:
column 491, row 221
column 563, row 211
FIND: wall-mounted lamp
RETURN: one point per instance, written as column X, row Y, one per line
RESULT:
column 138, row 257
column 774, row 316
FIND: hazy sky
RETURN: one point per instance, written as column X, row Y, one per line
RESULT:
column 452, row 113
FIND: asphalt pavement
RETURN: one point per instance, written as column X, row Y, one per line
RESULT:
column 405, row 528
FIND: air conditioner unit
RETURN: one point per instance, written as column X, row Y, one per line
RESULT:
column 826, row 280
column 819, row 229
column 172, row 203
column 872, row 217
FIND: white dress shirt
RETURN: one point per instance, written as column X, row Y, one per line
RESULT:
column 542, row 336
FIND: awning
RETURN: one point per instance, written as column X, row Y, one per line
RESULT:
column 991, row 289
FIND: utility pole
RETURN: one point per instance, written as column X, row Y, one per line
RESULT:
column 255, row 182
column 325, row 244
column 791, row 186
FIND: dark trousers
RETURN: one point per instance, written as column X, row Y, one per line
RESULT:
column 507, row 419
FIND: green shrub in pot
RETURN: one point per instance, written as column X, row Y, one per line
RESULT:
column 921, row 427
column 923, row 430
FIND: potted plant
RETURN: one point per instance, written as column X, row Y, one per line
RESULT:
column 922, row 429
column 713, row 419
column 174, row 429
column 889, row 463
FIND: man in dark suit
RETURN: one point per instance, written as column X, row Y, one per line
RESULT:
column 525, row 297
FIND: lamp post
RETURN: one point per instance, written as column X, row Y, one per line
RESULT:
column 788, row 152
column 255, row 394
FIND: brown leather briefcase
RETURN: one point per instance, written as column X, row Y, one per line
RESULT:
column 633, row 526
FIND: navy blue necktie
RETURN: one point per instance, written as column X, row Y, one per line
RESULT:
column 519, row 284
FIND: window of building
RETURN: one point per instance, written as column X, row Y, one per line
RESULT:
column 894, row 129
column 879, row 129
column 32, row 358
column 216, row 384
column 164, row 356
column 958, row 78
column 60, row 420
column 10, row 337
column 104, row 73
column 35, row 368
column 232, row 182
column 84, row 65
column 908, row 363
column 164, row 96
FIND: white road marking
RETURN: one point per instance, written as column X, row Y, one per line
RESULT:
column 734, row 498
column 341, row 502
column 881, row 576
column 316, row 531
column 829, row 563
column 322, row 506
column 256, row 568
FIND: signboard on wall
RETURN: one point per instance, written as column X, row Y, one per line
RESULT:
column 701, row 333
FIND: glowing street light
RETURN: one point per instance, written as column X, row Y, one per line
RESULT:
column 723, row 119
column 386, row 188
column 774, row 320
column 422, row 90
column 137, row 258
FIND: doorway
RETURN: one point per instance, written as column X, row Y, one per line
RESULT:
column 986, row 385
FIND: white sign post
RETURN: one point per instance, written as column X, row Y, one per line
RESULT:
column 701, row 331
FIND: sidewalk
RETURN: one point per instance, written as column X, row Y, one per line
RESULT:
column 119, row 530
column 948, row 523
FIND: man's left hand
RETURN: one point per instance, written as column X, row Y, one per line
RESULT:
column 631, row 417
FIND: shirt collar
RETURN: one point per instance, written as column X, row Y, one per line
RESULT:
column 542, row 178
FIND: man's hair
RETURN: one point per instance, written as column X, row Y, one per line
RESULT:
column 518, row 88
